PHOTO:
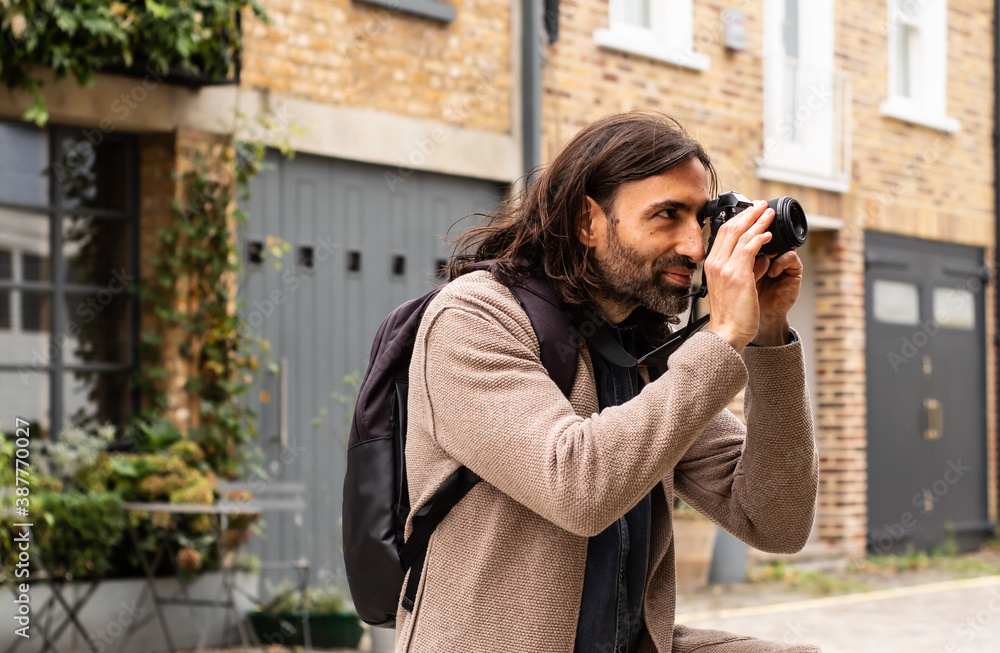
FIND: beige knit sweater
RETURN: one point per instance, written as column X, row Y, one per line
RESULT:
column 504, row 570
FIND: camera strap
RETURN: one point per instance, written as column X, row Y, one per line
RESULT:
column 658, row 357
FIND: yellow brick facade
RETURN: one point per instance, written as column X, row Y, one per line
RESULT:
column 379, row 59
column 905, row 179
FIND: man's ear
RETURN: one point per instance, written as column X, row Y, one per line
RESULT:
column 593, row 224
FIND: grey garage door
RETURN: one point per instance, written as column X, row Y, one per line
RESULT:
column 359, row 240
column 926, row 375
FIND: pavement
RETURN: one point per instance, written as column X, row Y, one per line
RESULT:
column 933, row 608
column 950, row 616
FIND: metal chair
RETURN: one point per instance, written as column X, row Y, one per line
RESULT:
column 281, row 497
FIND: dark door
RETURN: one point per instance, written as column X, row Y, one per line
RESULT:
column 357, row 241
column 926, row 376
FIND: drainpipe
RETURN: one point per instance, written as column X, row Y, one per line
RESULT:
column 996, row 202
column 531, row 84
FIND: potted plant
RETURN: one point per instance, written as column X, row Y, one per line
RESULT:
column 283, row 618
column 694, row 539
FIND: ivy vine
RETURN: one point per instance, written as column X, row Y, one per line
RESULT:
column 192, row 291
column 77, row 38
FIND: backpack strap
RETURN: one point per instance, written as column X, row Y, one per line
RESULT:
column 432, row 513
column 557, row 338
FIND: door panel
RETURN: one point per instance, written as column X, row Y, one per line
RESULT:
column 357, row 249
column 926, row 377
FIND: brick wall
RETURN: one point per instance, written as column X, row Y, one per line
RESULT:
column 906, row 179
column 161, row 158
column 157, row 164
column 351, row 54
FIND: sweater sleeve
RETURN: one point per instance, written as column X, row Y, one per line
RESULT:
column 492, row 407
column 759, row 482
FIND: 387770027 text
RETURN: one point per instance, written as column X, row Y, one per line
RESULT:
column 22, row 533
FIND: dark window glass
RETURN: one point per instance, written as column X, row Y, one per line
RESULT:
column 23, row 162
column 98, row 327
column 96, row 252
column 255, row 252
column 96, row 258
column 36, row 311
column 91, row 399
column 5, row 310
column 93, row 176
column 6, row 273
column 34, row 267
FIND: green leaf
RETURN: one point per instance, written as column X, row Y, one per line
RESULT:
column 38, row 112
column 159, row 11
column 123, row 467
column 66, row 21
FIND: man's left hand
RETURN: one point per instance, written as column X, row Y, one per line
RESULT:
column 779, row 280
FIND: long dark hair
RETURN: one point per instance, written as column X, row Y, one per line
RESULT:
column 536, row 230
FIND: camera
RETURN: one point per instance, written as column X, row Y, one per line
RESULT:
column 788, row 229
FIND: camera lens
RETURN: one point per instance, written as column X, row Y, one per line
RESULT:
column 789, row 227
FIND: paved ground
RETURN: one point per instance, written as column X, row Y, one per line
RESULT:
column 958, row 616
column 916, row 606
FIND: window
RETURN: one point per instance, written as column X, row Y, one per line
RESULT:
column 658, row 29
column 806, row 102
column 435, row 10
column 67, row 260
column 896, row 302
column 917, row 32
column 955, row 308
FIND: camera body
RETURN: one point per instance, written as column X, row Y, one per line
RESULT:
column 788, row 229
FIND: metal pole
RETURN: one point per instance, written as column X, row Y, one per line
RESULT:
column 531, row 84
column 996, row 213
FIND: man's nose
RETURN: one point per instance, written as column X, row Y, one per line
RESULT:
column 692, row 245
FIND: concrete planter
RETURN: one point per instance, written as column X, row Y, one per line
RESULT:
column 694, row 539
column 326, row 630
column 729, row 560
column 383, row 640
column 114, row 606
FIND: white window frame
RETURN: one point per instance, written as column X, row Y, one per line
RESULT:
column 807, row 133
column 670, row 37
column 926, row 103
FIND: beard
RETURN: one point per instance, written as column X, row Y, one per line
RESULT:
column 627, row 282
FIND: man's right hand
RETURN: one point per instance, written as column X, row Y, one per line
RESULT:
column 732, row 270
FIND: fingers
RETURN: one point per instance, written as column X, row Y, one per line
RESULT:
column 760, row 267
column 731, row 230
column 788, row 264
column 734, row 229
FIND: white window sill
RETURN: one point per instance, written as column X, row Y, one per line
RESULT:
column 825, row 223
column 800, row 178
column 903, row 109
column 652, row 49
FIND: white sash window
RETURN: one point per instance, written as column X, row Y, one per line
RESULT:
column 917, row 33
column 806, row 102
column 657, row 29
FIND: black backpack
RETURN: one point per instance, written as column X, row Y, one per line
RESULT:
column 376, row 497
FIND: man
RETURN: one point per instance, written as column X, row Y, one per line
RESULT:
column 566, row 544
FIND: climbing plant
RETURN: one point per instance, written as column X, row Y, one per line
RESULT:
column 198, row 38
column 199, row 334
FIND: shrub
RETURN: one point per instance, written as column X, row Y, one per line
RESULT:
column 79, row 532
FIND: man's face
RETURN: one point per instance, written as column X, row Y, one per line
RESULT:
column 648, row 250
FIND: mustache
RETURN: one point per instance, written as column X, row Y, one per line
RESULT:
column 674, row 260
